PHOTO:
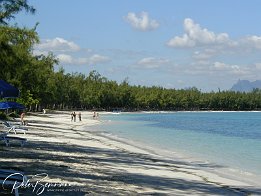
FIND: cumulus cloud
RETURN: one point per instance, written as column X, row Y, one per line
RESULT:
column 96, row 58
column 252, row 41
column 57, row 44
column 217, row 69
column 195, row 35
column 204, row 55
column 152, row 62
column 68, row 52
column 221, row 66
column 92, row 60
column 65, row 58
column 231, row 69
column 141, row 21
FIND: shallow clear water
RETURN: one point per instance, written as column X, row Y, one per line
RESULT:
column 232, row 139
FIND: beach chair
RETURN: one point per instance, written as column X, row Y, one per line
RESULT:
column 14, row 128
column 9, row 178
column 7, row 139
column 3, row 135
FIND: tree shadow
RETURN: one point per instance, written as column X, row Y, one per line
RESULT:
column 95, row 169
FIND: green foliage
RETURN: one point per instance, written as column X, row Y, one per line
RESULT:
column 13, row 115
column 95, row 91
column 26, row 98
column 3, row 116
column 8, row 8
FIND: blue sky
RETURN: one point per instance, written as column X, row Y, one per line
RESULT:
column 174, row 44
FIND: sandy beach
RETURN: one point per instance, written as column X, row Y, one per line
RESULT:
column 69, row 158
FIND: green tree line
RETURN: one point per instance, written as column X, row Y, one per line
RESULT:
column 42, row 87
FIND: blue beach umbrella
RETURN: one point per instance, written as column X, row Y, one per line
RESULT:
column 11, row 105
column 7, row 90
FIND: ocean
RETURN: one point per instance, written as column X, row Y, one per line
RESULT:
column 231, row 140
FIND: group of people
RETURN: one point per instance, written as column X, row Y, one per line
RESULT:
column 95, row 116
column 73, row 116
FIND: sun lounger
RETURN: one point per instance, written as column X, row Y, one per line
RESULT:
column 9, row 178
column 7, row 139
column 2, row 136
column 14, row 128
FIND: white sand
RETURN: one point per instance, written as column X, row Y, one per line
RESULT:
column 97, row 165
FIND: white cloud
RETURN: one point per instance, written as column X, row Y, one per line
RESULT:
column 152, row 62
column 40, row 52
column 57, row 44
column 68, row 52
column 141, row 21
column 195, row 35
column 204, row 55
column 231, row 69
column 96, row 58
column 65, row 58
column 70, row 60
column 252, row 41
column 217, row 70
column 220, row 66
column 180, row 42
column 207, row 46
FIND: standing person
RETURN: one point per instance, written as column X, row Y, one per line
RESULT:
column 94, row 115
column 80, row 116
column 71, row 117
column 74, row 116
column 22, row 118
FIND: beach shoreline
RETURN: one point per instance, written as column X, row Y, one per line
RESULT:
column 95, row 164
column 204, row 164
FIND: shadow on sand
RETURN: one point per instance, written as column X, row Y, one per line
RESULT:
column 100, row 176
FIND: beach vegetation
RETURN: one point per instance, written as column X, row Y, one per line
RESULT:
column 9, row 8
column 3, row 116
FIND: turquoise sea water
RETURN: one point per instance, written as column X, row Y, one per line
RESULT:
column 231, row 139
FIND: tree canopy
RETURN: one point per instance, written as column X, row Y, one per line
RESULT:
column 8, row 9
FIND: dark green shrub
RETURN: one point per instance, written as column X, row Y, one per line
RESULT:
column 13, row 115
column 3, row 116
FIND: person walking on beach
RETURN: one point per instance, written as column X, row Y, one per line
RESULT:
column 94, row 115
column 80, row 116
column 74, row 116
column 71, row 116
column 22, row 118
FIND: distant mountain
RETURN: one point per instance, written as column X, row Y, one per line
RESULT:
column 246, row 86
